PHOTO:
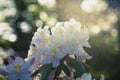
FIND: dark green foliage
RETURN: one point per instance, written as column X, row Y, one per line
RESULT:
column 79, row 68
column 46, row 71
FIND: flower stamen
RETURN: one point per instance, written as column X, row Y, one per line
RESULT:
column 17, row 67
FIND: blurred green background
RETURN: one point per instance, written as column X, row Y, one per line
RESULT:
column 19, row 19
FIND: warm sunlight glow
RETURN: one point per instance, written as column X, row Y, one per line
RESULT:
column 112, row 17
column 43, row 16
column 114, row 33
column 1, row 61
column 25, row 27
column 39, row 23
column 51, row 21
column 95, row 29
column 32, row 8
column 92, row 5
column 47, row 3
column 12, row 38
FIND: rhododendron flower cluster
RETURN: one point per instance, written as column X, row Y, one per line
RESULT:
column 65, row 38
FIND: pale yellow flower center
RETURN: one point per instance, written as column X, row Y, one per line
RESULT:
column 40, row 32
column 56, row 42
column 54, row 52
column 47, row 39
column 60, row 31
column 75, row 39
column 17, row 67
column 72, row 26
column 34, row 50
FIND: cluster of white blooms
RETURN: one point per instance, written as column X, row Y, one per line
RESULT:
column 7, row 8
column 65, row 38
column 47, row 3
column 7, row 33
column 91, row 5
column 4, row 53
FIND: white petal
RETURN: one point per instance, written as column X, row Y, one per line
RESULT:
column 55, row 62
column 102, row 77
column 86, row 76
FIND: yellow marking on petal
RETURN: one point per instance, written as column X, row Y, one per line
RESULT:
column 56, row 42
column 54, row 52
column 40, row 32
column 17, row 67
column 60, row 30
column 75, row 39
column 34, row 50
column 47, row 39
column 72, row 26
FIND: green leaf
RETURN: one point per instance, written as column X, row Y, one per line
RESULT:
column 79, row 68
column 89, row 68
column 3, row 77
column 47, row 69
column 39, row 70
column 76, row 74
column 58, row 71
column 65, row 69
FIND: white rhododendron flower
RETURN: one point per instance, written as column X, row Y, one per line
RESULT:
column 65, row 38
column 88, row 76
column 102, row 77
column 85, row 76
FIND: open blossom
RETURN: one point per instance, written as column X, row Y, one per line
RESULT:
column 88, row 76
column 40, row 42
column 66, row 38
column 17, row 69
column 85, row 76
column 3, row 70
